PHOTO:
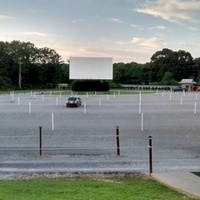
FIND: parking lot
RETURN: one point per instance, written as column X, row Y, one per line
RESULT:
column 83, row 139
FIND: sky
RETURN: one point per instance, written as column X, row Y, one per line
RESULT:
column 126, row 30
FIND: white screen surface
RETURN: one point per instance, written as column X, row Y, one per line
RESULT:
column 94, row 68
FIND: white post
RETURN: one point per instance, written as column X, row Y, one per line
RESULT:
column 140, row 96
column 31, row 93
column 140, row 104
column 87, row 95
column 52, row 121
column 195, row 108
column 84, row 111
column 71, row 93
column 181, row 103
column 99, row 101
column 29, row 107
column 157, row 91
column 18, row 101
column 42, row 97
column 114, row 94
column 34, row 95
column 163, row 93
column 50, row 93
column 95, row 93
column 56, row 101
column 142, row 122
column 60, row 95
column 12, row 96
column 118, row 92
column 107, row 97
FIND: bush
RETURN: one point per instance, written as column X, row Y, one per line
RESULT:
column 90, row 85
column 5, row 83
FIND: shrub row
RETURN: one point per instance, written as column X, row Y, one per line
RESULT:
column 90, row 85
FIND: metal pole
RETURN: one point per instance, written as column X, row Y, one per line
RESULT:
column 20, row 73
column 150, row 156
column 40, row 138
column 117, row 141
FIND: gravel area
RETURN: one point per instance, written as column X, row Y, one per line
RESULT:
column 83, row 139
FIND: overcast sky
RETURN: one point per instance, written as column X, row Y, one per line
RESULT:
column 127, row 30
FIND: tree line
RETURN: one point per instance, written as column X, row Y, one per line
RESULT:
column 166, row 67
column 44, row 68
column 40, row 67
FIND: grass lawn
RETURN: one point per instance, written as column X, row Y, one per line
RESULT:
column 69, row 92
column 121, row 187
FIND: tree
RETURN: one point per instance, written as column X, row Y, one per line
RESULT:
column 130, row 73
column 168, row 79
column 198, row 80
column 196, row 69
column 5, row 60
column 179, row 63
column 41, row 67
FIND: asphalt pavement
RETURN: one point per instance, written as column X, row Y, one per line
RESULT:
column 84, row 139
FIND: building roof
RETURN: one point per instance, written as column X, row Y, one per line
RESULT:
column 187, row 81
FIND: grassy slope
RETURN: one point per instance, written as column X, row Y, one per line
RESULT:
column 84, row 188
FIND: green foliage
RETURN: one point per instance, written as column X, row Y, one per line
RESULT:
column 168, row 79
column 84, row 188
column 40, row 67
column 130, row 73
column 198, row 80
column 5, row 83
column 114, row 85
column 179, row 63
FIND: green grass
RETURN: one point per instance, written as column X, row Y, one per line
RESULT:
column 69, row 92
column 88, row 188
column 112, row 92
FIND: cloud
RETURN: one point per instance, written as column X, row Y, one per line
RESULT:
column 137, row 27
column 171, row 10
column 149, row 28
column 121, row 43
column 35, row 33
column 153, row 42
column 3, row 17
column 75, row 21
column 115, row 20
column 157, row 28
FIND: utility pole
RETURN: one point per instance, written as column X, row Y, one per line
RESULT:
column 20, row 73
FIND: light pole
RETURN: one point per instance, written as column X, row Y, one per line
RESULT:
column 20, row 73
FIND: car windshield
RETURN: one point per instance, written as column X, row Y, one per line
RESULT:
column 72, row 99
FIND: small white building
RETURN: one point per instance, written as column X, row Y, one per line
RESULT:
column 187, row 84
